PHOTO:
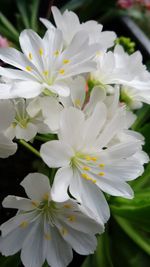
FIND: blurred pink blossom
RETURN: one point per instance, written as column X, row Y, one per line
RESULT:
column 3, row 42
column 125, row 3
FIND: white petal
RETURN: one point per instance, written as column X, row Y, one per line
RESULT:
column 12, row 243
column 51, row 110
column 98, row 94
column 116, row 188
column 56, row 154
column 26, row 89
column 112, row 127
column 32, row 249
column 61, row 184
column 7, row 147
column 36, row 186
column 94, row 123
column 90, row 196
column 71, row 123
column 59, row 253
column 60, row 88
column 82, row 243
column 7, row 114
column 26, row 133
column 47, row 23
column 78, row 86
column 18, row 203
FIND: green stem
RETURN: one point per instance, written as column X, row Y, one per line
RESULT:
column 42, row 138
column 133, row 234
column 29, row 147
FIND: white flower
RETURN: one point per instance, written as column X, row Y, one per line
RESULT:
column 44, row 64
column 20, row 124
column 7, row 147
column 50, row 109
column 127, row 71
column 46, row 230
column 88, row 163
column 69, row 24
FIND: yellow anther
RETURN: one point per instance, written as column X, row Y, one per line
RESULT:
column 28, row 68
column 66, row 61
column 61, row 71
column 93, row 158
column 85, row 176
column 102, row 165
column 30, row 56
column 88, row 158
column 24, row 224
column 77, row 102
column 72, row 218
column 41, row 52
column 56, row 53
column 45, row 72
column 101, row 173
column 88, row 178
column 34, row 203
column 46, row 196
column 86, row 168
column 67, row 206
column 63, row 231
column 47, row 236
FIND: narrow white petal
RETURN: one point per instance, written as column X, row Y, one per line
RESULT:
column 18, row 203
column 61, row 184
column 7, row 114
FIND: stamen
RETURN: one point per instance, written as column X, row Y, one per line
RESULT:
column 47, row 236
column 88, row 158
column 77, row 102
column 41, row 52
column 46, row 196
column 61, row 71
column 72, row 218
column 66, row 61
column 28, row 68
column 67, row 206
column 30, row 56
column 93, row 158
column 56, row 53
column 86, row 168
column 34, row 203
column 102, row 165
column 88, row 178
column 45, row 72
column 101, row 173
column 24, row 224
column 64, row 231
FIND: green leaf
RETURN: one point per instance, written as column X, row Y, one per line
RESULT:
column 124, row 251
column 34, row 14
column 142, row 116
column 8, row 25
column 140, row 238
column 102, row 256
column 11, row 261
column 22, row 7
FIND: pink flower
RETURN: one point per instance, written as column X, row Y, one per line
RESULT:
column 3, row 42
column 125, row 3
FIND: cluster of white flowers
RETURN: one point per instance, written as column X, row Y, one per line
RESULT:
column 72, row 88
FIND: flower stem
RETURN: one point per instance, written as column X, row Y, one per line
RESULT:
column 29, row 147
